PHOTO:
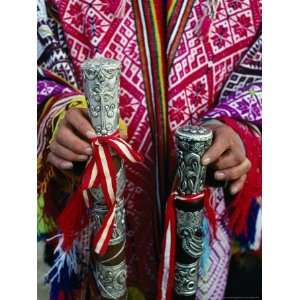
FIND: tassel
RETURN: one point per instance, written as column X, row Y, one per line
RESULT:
column 73, row 218
column 210, row 213
column 253, row 237
column 167, row 263
column 64, row 274
column 239, row 209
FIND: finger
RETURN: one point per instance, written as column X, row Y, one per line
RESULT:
column 85, row 112
column 65, row 153
column 59, row 162
column 235, row 172
column 219, row 146
column 68, row 139
column 78, row 120
column 237, row 185
column 229, row 159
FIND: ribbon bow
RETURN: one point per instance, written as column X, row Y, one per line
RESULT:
column 99, row 172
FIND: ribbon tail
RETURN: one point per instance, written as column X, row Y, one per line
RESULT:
column 104, row 234
column 125, row 150
column 106, row 174
column 72, row 219
column 167, row 262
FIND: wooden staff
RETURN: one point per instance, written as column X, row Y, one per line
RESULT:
column 191, row 143
column 101, row 78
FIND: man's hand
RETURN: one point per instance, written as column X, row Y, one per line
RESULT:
column 227, row 156
column 71, row 141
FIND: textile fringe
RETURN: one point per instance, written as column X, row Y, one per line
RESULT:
column 64, row 274
column 239, row 209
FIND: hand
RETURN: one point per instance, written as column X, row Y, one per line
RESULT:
column 71, row 142
column 227, row 156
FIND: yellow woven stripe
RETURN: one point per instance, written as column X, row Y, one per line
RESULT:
column 160, row 68
column 76, row 102
column 171, row 10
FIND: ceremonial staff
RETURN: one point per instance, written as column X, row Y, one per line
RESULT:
column 191, row 143
column 101, row 78
column 183, row 237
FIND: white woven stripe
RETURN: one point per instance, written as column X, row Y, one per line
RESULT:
column 258, row 229
column 86, row 198
column 166, row 268
column 174, row 32
column 125, row 150
column 107, row 174
column 93, row 175
column 105, row 231
column 147, row 49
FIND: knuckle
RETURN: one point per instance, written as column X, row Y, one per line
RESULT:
column 234, row 174
column 239, row 158
column 235, row 159
column 51, row 159
column 249, row 164
column 60, row 135
column 70, row 114
column 78, row 147
column 52, row 146
column 218, row 165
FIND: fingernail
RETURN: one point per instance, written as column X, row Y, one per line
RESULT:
column 82, row 157
column 219, row 175
column 91, row 134
column 234, row 190
column 67, row 165
column 89, row 151
column 205, row 160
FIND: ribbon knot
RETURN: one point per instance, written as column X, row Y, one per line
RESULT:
column 100, row 172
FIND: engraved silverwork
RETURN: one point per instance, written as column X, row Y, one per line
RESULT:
column 121, row 182
column 98, row 214
column 99, row 209
column 191, row 141
column 101, row 79
column 186, row 278
column 188, row 229
column 111, row 280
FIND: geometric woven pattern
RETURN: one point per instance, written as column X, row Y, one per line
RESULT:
column 201, row 63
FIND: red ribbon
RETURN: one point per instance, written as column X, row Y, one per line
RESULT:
column 167, row 262
column 99, row 172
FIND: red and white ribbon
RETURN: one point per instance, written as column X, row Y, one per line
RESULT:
column 99, row 172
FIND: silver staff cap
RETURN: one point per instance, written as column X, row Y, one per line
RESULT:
column 194, row 133
column 101, row 81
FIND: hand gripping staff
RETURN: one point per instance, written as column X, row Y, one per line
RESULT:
column 183, row 234
column 104, row 176
column 98, row 199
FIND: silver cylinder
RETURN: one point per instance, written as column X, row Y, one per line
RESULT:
column 191, row 144
column 101, row 81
